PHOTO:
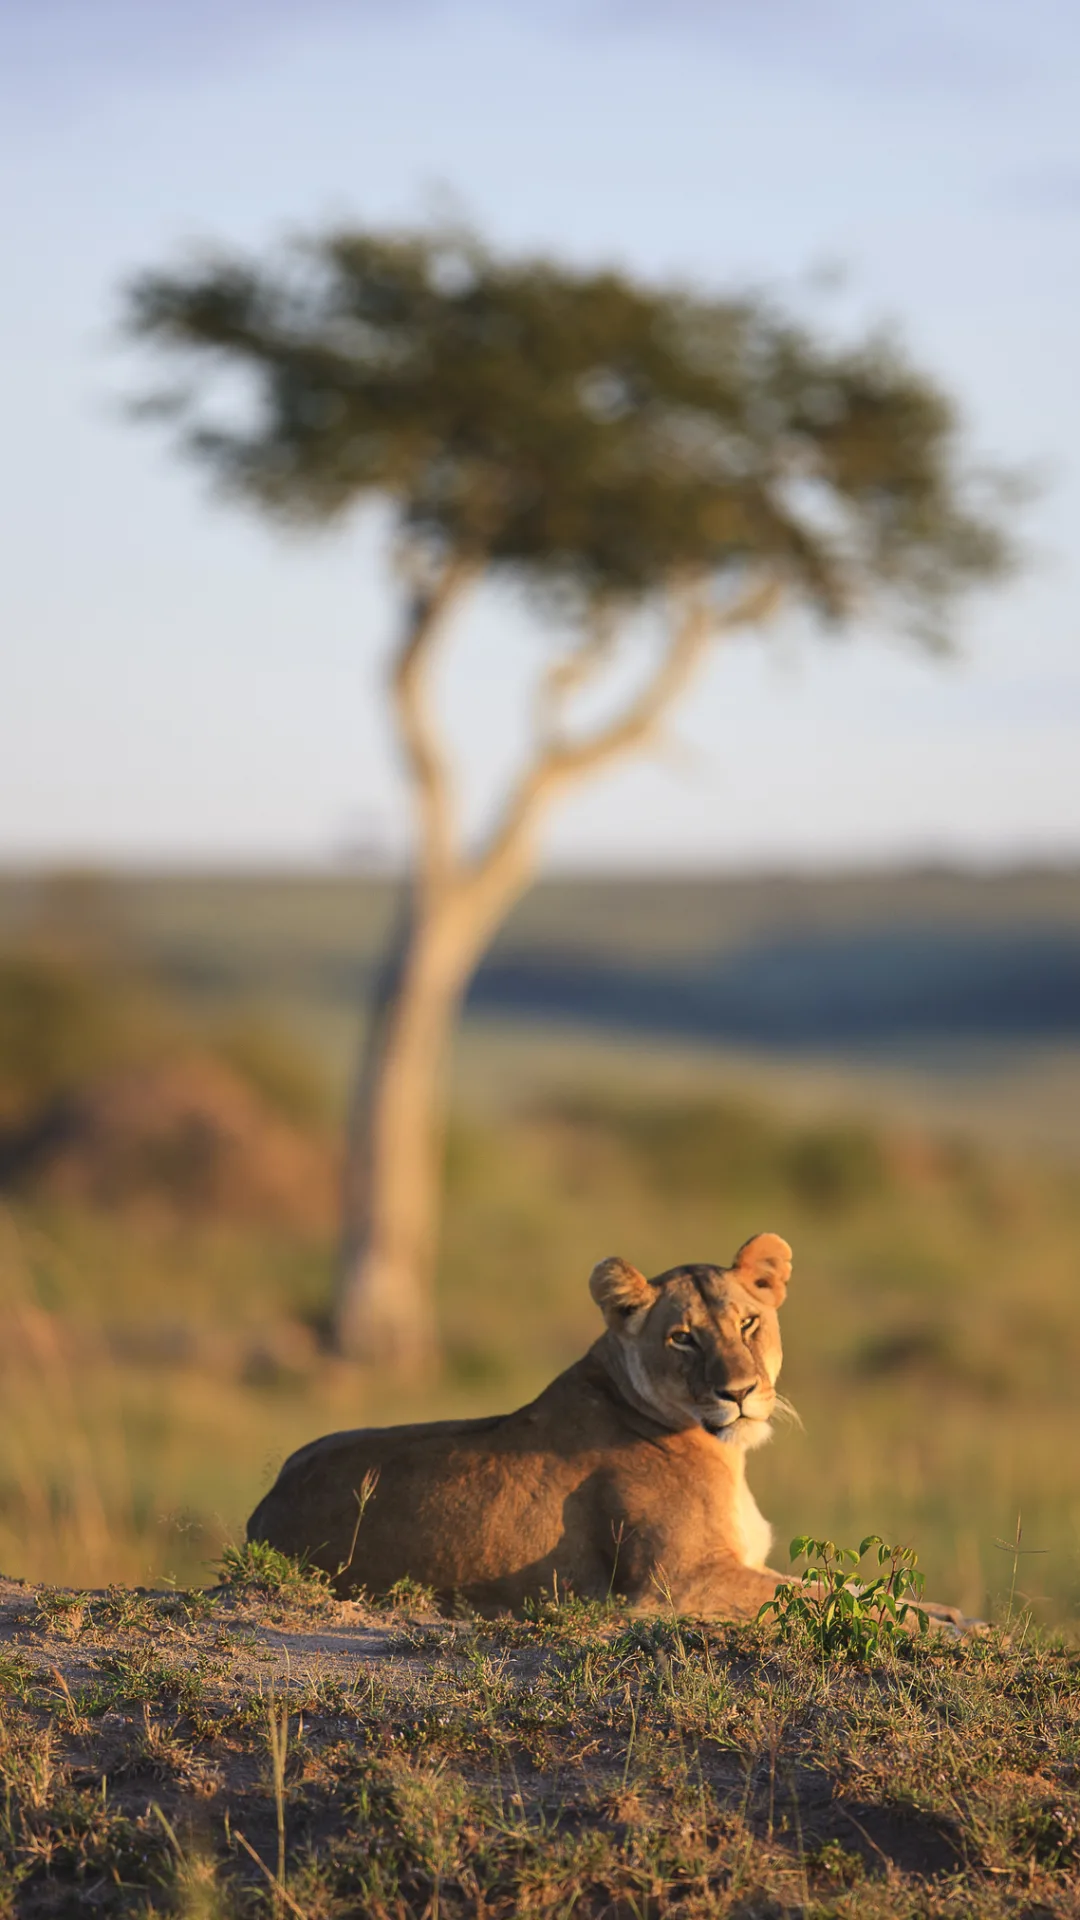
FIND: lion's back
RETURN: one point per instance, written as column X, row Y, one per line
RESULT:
column 458, row 1506
column 490, row 1508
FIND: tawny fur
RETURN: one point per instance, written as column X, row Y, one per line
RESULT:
column 626, row 1477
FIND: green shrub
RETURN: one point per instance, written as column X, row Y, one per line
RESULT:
column 842, row 1618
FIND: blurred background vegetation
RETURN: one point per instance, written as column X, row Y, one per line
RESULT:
column 904, row 1106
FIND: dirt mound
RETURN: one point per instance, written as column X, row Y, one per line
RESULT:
column 172, row 1744
column 187, row 1134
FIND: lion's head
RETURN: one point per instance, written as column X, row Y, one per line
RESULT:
column 701, row 1344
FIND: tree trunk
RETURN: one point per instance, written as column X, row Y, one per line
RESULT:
column 384, row 1310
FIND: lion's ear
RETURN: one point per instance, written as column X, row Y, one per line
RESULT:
column 764, row 1264
column 619, row 1290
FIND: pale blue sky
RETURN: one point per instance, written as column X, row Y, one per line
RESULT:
column 175, row 682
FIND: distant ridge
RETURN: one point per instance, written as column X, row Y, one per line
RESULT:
column 841, row 959
column 799, row 990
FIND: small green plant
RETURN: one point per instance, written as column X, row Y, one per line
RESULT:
column 838, row 1862
column 562, row 1615
column 409, row 1596
column 64, row 1614
column 258, row 1568
column 847, row 1618
column 16, row 1676
column 1049, row 1835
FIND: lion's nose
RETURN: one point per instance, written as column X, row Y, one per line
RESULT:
column 738, row 1394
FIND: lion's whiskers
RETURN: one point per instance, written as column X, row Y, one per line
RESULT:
column 783, row 1410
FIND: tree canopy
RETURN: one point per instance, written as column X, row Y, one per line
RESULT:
column 592, row 434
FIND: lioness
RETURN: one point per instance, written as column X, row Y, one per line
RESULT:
column 626, row 1477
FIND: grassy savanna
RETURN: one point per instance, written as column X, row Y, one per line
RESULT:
column 157, row 1370
column 174, row 1068
column 260, row 1749
column 163, row 1294
column 162, row 1352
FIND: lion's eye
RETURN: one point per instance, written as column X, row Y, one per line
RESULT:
column 682, row 1337
column 749, row 1325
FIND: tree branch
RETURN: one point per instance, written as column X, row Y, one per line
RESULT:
column 570, row 672
column 429, row 603
column 561, row 762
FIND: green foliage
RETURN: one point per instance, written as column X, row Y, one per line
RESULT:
column 845, row 1619
column 256, row 1568
column 579, row 428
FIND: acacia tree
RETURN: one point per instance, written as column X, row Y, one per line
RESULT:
column 615, row 446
